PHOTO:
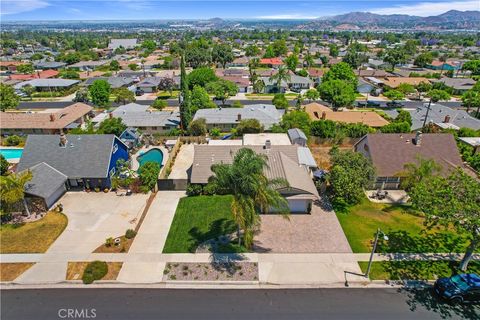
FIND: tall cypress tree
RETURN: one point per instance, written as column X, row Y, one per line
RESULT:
column 185, row 108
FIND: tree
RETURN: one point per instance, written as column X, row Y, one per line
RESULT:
column 123, row 95
column 28, row 90
column 280, row 101
column 333, row 50
column 69, row 74
column 81, row 95
column 114, row 65
column 12, row 188
column 166, row 84
column 279, row 47
column 281, row 75
column 258, row 85
column 252, row 191
column 395, row 56
column 112, row 126
column 396, row 127
column 249, row 126
column 185, row 99
column 148, row 174
column 222, row 54
column 100, row 92
column 296, row 119
column 341, row 71
column 8, row 98
column 149, row 45
column 312, row 94
column 3, row 165
column 410, row 47
column 201, row 77
column 291, row 62
column 201, row 99
column 308, row 60
column 133, row 66
column 471, row 99
column 198, row 127
column 26, row 68
column 351, row 172
column 252, row 51
column 451, row 201
column 404, row 116
column 473, row 66
column 338, row 93
column 423, row 59
column 159, row 104
column 197, row 57
column 394, row 95
column 415, row 173
column 405, row 88
column 269, row 53
column 222, row 89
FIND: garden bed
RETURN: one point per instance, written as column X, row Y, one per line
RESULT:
column 11, row 271
column 222, row 271
column 121, row 247
column 75, row 270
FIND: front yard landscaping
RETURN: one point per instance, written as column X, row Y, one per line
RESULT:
column 75, row 270
column 199, row 219
column 221, row 271
column 404, row 228
column 32, row 237
column 415, row 270
column 11, row 271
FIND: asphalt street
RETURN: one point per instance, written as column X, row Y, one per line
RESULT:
column 339, row 303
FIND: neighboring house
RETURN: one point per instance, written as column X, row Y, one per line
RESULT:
column 394, row 82
column 124, row 43
column 271, row 62
column 149, row 84
column 316, row 75
column 241, row 62
column 297, row 83
column 459, row 85
column 474, row 142
column 62, row 162
column 364, row 86
column 65, row 119
column 50, row 65
column 390, row 152
column 377, row 64
column 45, row 74
column 48, row 84
column 445, row 66
column 242, row 83
column 115, row 82
column 226, row 119
column 297, row 137
column 87, row 65
column 271, row 86
column 283, row 162
column 131, row 137
column 317, row 111
column 10, row 65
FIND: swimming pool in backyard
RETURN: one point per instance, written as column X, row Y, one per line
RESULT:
column 11, row 153
column 152, row 155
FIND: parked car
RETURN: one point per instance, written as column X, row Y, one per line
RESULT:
column 394, row 104
column 139, row 92
column 373, row 104
column 361, row 104
column 459, row 288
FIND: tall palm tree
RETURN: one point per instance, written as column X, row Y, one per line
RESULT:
column 12, row 188
column 281, row 75
column 252, row 191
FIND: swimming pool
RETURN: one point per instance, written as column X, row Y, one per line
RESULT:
column 153, row 155
column 9, row 153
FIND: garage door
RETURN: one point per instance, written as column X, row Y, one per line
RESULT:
column 298, row 206
column 55, row 196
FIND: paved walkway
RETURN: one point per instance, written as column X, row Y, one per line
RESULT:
column 183, row 162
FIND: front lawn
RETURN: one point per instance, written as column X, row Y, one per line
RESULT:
column 198, row 219
column 404, row 228
column 32, row 237
column 415, row 270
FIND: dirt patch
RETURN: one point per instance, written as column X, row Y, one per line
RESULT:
column 122, row 246
column 224, row 271
column 320, row 153
column 75, row 270
column 11, row 271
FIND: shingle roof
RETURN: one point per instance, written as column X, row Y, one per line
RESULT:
column 149, row 118
column 115, row 82
column 458, row 83
column 84, row 156
column 296, row 133
column 50, row 65
column 45, row 181
column 125, row 43
column 47, row 83
column 89, row 63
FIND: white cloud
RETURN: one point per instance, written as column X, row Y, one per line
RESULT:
column 19, row 6
column 286, row 16
column 425, row 9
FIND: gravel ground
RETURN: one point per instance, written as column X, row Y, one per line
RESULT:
column 242, row 271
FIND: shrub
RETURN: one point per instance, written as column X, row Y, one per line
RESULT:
column 215, row 132
column 13, row 140
column 109, row 242
column 210, row 189
column 159, row 104
column 194, row 190
column 148, row 174
column 95, row 270
column 130, row 234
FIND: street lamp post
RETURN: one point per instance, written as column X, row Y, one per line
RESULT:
column 373, row 250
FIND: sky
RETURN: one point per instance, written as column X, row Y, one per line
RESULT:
column 11, row 10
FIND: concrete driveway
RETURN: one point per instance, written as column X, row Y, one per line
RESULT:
column 93, row 217
column 183, row 162
column 318, row 232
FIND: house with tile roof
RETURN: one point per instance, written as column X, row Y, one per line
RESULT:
column 316, row 111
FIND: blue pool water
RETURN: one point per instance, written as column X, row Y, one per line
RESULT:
column 154, row 155
column 11, row 153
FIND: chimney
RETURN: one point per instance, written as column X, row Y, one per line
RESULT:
column 447, row 119
column 52, row 117
column 268, row 144
column 63, row 140
column 418, row 138
column 239, row 117
column 324, row 115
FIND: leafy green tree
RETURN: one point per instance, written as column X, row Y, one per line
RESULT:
column 166, row 84
column 123, row 95
column 279, row 47
column 3, row 165
column 114, row 65
column 396, row 127
column 159, row 104
column 8, row 98
column 291, row 62
column 112, row 126
column 308, row 60
column 333, row 50
column 100, row 92
column 395, row 56
column 423, row 59
column 197, row 57
column 339, row 93
column 201, row 99
column 281, row 75
column 252, row 51
column 28, row 90
column 258, row 86
column 201, row 77
column 405, row 88
column 473, row 66
column 26, row 68
column 81, row 96
column 149, row 45
column 410, row 47
column 415, row 173
column 296, row 119
column 471, row 99
column 198, row 127
column 269, row 52
column 341, row 71
column 222, row 89
column 69, row 74
column 351, row 172
column 12, row 189
column 404, row 116
column 249, row 126
column 394, row 95
column 453, row 201
column 324, row 129
column 13, row 140
column 148, row 174
column 280, row 101
column 133, row 66
column 222, row 54
column 252, row 191
column 312, row 94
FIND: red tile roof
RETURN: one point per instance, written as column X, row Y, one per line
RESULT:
column 39, row 75
column 272, row 61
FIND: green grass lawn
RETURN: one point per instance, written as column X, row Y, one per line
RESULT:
column 32, row 237
column 167, row 95
column 198, row 219
column 414, row 270
column 403, row 227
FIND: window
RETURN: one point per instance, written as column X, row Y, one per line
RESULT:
column 115, row 148
column 112, row 172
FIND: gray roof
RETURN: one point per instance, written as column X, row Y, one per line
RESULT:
column 45, row 181
column 268, row 82
column 149, row 82
column 50, row 65
column 266, row 114
column 473, row 141
column 85, row 156
column 299, row 79
column 458, row 83
column 282, row 163
column 296, row 133
column 47, row 83
column 437, row 114
column 130, row 107
column 88, row 64
column 149, row 118
column 115, row 82
column 125, row 43
column 305, row 157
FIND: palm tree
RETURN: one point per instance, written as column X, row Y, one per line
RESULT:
column 252, row 192
column 281, row 75
column 258, row 86
column 12, row 188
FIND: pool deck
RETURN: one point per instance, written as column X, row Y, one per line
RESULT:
column 136, row 165
column 12, row 160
